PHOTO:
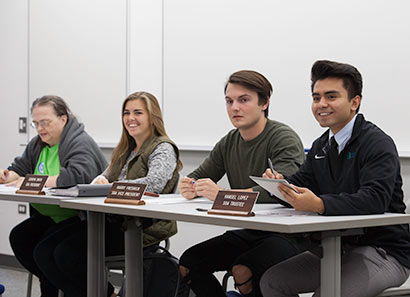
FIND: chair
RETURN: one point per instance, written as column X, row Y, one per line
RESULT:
column 402, row 291
column 30, row 285
column 118, row 263
column 225, row 279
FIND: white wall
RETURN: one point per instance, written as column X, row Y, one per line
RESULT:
column 13, row 98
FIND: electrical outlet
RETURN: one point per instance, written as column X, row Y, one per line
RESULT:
column 22, row 209
column 22, row 125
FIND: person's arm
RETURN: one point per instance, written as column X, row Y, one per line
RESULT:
column 303, row 177
column 102, row 178
column 8, row 176
column 26, row 163
column 303, row 199
column 204, row 179
column 379, row 175
column 81, row 160
column 213, row 166
column 287, row 155
column 186, row 187
column 51, row 181
column 161, row 165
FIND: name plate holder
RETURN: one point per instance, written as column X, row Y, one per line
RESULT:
column 126, row 193
column 33, row 184
column 234, row 203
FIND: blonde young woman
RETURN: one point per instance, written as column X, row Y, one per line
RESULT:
column 144, row 154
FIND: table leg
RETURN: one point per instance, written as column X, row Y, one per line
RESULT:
column 330, row 267
column 96, row 279
column 133, row 258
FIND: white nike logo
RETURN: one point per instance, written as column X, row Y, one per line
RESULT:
column 319, row 157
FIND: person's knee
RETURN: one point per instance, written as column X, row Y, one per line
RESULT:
column 188, row 259
column 264, row 285
column 41, row 255
column 13, row 237
column 243, row 278
column 69, row 258
column 17, row 236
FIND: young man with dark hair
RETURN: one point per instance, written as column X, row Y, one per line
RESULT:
column 244, row 151
column 352, row 169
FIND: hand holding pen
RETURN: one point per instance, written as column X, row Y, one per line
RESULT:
column 186, row 187
column 271, row 172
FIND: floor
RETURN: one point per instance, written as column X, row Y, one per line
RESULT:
column 15, row 283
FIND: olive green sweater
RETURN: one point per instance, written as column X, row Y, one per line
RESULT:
column 239, row 158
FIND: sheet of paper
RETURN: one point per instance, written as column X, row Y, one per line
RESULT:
column 271, row 185
column 7, row 190
column 171, row 199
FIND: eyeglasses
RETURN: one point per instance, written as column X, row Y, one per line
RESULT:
column 42, row 123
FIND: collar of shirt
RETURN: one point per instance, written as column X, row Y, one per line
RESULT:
column 343, row 136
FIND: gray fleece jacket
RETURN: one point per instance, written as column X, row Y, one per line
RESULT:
column 80, row 159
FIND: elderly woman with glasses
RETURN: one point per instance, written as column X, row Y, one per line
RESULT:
column 68, row 155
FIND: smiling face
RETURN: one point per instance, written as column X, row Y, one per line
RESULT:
column 243, row 108
column 49, row 126
column 331, row 106
column 136, row 120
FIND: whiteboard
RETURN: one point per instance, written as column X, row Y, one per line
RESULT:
column 77, row 51
column 94, row 53
column 205, row 41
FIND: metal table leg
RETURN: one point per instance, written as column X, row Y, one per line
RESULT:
column 133, row 257
column 330, row 267
column 96, row 279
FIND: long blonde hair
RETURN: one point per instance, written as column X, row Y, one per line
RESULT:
column 127, row 142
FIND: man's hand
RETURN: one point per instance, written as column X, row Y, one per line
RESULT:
column 272, row 175
column 205, row 187
column 186, row 187
column 305, row 200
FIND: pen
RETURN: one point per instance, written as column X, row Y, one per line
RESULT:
column 192, row 180
column 201, row 209
column 151, row 194
column 271, row 167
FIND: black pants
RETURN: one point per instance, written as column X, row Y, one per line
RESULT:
column 25, row 239
column 258, row 250
column 57, row 253
column 62, row 257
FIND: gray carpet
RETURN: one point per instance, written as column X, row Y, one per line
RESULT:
column 15, row 283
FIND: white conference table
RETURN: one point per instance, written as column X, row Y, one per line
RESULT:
column 268, row 217
column 42, row 199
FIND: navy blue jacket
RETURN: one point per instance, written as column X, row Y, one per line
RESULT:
column 369, row 183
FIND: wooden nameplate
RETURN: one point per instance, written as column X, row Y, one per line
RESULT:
column 126, row 193
column 231, row 213
column 33, row 184
column 234, row 203
column 30, row 192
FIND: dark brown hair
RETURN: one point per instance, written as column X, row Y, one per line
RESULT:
column 352, row 79
column 253, row 81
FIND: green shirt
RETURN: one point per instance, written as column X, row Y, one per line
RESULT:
column 48, row 163
column 239, row 158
